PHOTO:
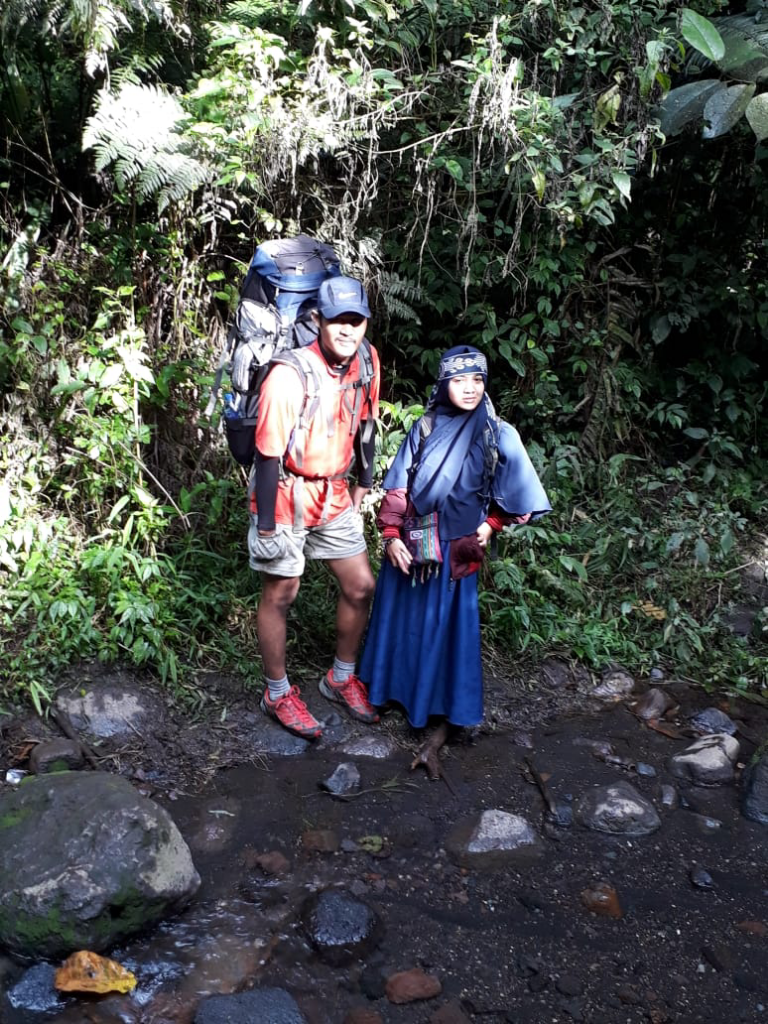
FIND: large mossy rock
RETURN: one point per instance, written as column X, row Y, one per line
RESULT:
column 85, row 861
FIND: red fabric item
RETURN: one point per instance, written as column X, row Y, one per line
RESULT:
column 392, row 512
column 466, row 556
column 324, row 456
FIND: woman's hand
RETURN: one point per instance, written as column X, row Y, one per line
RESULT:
column 484, row 534
column 399, row 556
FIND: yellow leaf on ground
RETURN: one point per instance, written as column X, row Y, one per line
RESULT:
column 88, row 972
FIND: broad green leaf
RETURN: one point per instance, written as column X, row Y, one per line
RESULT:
column 746, row 50
column 697, row 433
column 623, row 182
column 682, row 106
column 701, row 552
column 724, row 108
column 539, row 182
column 660, row 328
column 702, row 35
column 757, row 115
column 455, row 170
column 143, row 496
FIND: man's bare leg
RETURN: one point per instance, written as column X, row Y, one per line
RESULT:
column 277, row 595
column 356, row 585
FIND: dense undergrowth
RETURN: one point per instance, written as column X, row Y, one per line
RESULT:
column 496, row 174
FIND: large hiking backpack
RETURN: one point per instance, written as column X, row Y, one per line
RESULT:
column 272, row 323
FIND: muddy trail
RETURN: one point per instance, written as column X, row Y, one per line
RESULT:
column 679, row 931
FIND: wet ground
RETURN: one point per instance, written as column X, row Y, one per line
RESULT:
column 514, row 945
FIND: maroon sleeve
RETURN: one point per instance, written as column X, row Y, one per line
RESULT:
column 392, row 512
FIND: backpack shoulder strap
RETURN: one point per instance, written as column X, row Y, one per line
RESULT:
column 302, row 363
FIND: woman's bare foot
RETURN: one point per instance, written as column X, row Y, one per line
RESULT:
column 428, row 754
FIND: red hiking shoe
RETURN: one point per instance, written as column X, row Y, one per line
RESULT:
column 352, row 694
column 292, row 713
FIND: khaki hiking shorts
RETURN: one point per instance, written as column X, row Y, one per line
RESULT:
column 286, row 553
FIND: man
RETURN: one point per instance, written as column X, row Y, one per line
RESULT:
column 302, row 506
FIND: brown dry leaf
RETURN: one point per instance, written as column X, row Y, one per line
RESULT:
column 664, row 729
column 88, row 972
column 651, row 610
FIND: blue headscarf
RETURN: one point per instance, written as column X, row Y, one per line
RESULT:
column 445, row 471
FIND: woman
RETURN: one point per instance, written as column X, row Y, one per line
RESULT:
column 459, row 461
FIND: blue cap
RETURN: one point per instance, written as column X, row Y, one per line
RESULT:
column 340, row 295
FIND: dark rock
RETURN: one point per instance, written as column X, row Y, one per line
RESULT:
column 340, row 927
column 412, row 986
column 646, row 770
column 747, row 982
column 112, row 862
column 345, row 779
column 573, row 1008
column 701, row 879
column 617, row 808
column 556, row 673
column 56, row 756
column 568, row 985
column 493, row 840
column 372, row 983
column 719, row 956
column 274, row 1005
column 754, row 801
column 654, row 703
column 538, row 982
column 35, row 991
column 712, row 720
column 603, row 900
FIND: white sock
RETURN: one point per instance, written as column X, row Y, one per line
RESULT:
column 342, row 670
column 277, row 687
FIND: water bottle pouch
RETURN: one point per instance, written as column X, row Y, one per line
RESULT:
column 241, row 438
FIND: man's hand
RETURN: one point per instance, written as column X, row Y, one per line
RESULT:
column 267, row 533
column 357, row 494
column 399, row 556
column 484, row 534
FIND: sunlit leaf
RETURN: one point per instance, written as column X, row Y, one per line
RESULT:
column 623, row 182
column 702, row 35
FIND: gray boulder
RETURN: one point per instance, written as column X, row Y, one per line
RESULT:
column 618, row 809
column 85, row 861
column 707, row 762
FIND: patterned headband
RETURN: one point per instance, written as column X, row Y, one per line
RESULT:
column 468, row 362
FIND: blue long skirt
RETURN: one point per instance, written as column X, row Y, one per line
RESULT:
column 423, row 646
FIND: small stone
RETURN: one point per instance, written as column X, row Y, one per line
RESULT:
column 601, row 748
column 646, row 770
column 747, row 982
column 753, row 928
column 411, row 986
column 712, row 720
column 323, row 840
column 273, row 863
column 602, row 899
column 345, row 779
column 374, row 746
column 56, row 756
column 669, row 798
column 615, row 685
column 568, row 985
column 493, row 839
column 654, row 703
column 340, row 927
column 701, row 879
